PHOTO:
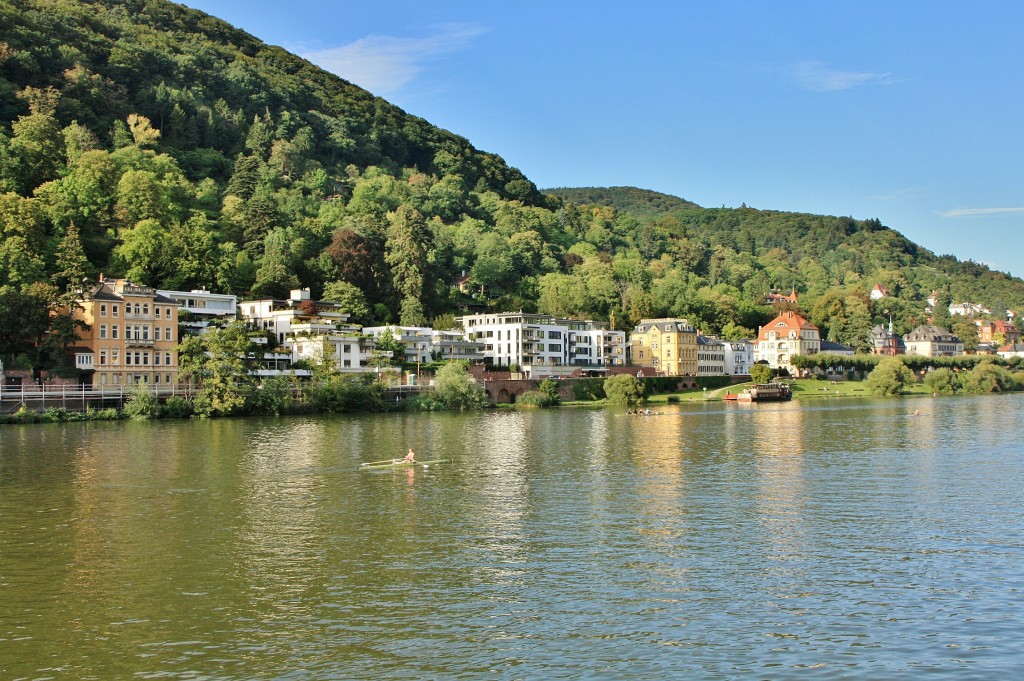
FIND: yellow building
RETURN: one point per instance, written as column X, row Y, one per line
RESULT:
column 668, row 345
column 132, row 335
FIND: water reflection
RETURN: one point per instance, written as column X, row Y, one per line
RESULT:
column 707, row 542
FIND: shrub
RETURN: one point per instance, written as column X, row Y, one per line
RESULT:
column 142, row 404
column 177, row 408
column 988, row 378
column 588, row 389
column 943, row 381
column 535, row 398
column 890, row 377
column 624, row 389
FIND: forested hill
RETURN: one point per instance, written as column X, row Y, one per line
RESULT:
column 638, row 202
column 143, row 139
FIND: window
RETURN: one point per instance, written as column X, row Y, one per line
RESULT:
column 114, row 331
column 167, row 358
column 103, row 310
column 127, row 358
column 167, row 313
column 113, row 312
column 115, row 356
column 145, row 309
column 103, row 357
column 138, row 358
column 156, row 333
column 156, row 378
column 156, row 358
column 145, row 359
column 156, row 311
column 145, row 333
column 103, row 331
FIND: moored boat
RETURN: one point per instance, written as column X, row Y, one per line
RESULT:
column 762, row 392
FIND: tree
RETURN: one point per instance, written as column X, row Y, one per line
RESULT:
column 550, row 389
column 72, row 265
column 966, row 330
column 387, row 344
column 624, row 389
column 890, row 377
column 454, row 388
column 143, row 132
column 351, row 300
column 220, row 359
column 760, row 373
column 408, row 246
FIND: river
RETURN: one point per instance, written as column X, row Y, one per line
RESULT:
column 811, row 540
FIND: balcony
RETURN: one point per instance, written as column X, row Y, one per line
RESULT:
column 138, row 342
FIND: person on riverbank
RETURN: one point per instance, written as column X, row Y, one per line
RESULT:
column 410, row 457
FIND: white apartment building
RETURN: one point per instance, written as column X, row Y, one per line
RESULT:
column 314, row 341
column 739, row 357
column 710, row 356
column 544, row 344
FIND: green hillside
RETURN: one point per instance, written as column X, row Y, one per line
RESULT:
column 148, row 140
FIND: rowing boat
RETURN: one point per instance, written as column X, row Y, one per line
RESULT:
column 398, row 463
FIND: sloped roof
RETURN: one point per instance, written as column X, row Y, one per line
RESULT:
column 784, row 323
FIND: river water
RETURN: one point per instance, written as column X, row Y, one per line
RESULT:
column 839, row 539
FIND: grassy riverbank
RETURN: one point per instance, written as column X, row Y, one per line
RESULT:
column 803, row 389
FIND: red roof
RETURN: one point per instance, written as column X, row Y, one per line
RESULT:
column 784, row 323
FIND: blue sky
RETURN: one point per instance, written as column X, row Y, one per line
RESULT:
column 910, row 112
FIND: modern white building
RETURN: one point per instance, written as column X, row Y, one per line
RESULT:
column 416, row 339
column 739, row 357
column 543, row 344
column 202, row 307
column 710, row 356
column 278, row 316
column 316, row 342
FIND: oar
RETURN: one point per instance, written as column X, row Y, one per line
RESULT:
column 370, row 463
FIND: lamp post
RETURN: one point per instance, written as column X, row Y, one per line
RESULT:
column 705, row 389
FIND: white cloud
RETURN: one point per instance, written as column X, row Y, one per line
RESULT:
column 973, row 212
column 818, row 77
column 384, row 64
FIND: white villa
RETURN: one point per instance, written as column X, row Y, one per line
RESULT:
column 739, row 357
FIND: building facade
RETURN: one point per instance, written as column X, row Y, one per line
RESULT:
column 997, row 332
column 710, row 356
column 739, row 357
column 932, row 341
column 543, row 344
column 667, row 345
column 885, row 342
column 132, row 335
column 783, row 338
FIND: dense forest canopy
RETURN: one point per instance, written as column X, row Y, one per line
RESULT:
column 148, row 140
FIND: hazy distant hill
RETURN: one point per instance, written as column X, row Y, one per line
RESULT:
column 639, row 202
column 145, row 139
